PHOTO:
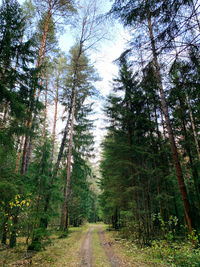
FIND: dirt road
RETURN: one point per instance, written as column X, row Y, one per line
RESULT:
column 106, row 250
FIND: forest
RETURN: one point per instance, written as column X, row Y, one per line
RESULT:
column 142, row 181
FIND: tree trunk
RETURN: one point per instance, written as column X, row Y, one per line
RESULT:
column 19, row 154
column 55, row 117
column 60, row 154
column 45, row 114
column 23, row 164
column 13, row 236
column 163, row 124
column 44, row 37
column 177, row 165
column 64, row 220
column 5, row 231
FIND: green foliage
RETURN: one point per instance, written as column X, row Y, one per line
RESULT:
column 82, row 198
column 175, row 254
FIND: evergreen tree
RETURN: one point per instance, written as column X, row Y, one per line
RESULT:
column 148, row 12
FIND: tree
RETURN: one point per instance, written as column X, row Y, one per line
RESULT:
column 79, row 83
column 80, row 192
column 147, row 11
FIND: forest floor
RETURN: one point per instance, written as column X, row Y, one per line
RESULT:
column 87, row 246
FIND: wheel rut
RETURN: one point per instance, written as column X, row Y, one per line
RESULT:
column 86, row 251
column 87, row 257
column 114, row 259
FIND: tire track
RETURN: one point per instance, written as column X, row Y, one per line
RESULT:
column 86, row 251
column 115, row 261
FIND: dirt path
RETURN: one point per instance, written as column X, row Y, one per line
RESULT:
column 86, row 250
column 88, row 257
column 113, row 258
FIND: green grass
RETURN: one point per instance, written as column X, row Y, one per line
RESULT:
column 128, row 250
column 61, row 252
column 99, row 256
column 161, row 253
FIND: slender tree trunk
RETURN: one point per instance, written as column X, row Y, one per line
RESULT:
column 62, row 146
column 163, row 125
column 45, row 114
column 63, row 210
column 177, row 165
column 69, row 164
column 167, row 201
column 5, row 231
column 23, row 164
column 44, row 37
column 13, row 236
column 55, row 117
column 5, row 115
column 19, row 153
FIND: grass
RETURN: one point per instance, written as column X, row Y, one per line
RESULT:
column 9, row 255
column 161, row 253
column 99, row 256
column 126, row 249
column 61, row 252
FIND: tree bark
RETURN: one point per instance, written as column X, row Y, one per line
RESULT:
column 177, row 165
column 67, row 189
column 19, row 154
column 23, row 164
column 60, row 154
column 45, row 114
column 55, row 116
